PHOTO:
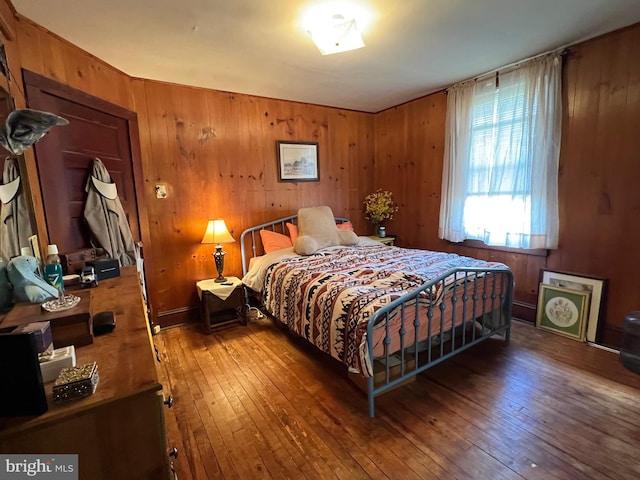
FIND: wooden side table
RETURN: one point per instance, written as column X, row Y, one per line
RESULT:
column 221, row 303
column 388, row 240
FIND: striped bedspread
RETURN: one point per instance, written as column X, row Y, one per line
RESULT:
column 328, row 298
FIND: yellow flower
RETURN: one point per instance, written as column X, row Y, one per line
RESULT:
column 379, row 206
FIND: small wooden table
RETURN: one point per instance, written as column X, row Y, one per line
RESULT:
column 388, row 240
column 221, row 303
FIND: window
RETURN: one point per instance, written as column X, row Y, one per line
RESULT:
column 501, row 158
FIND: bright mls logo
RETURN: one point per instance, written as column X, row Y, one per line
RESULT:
column 51, row 467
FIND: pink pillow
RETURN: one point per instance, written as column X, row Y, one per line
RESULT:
column 272, row 241
column 345, row 226
column 293, row 232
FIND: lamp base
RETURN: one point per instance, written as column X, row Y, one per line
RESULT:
column 218, row 256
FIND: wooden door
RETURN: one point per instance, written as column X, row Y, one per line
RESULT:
column 64, row 157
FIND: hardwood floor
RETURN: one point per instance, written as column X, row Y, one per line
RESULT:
column 254, row 402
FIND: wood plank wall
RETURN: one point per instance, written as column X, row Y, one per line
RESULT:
column 598, row 186
column 216, row 153
column 54, row 57
column 600, row 170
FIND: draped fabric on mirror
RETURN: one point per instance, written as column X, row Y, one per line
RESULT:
column 502, row 147
column 15, row 222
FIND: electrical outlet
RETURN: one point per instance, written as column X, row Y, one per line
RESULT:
column 161, row 191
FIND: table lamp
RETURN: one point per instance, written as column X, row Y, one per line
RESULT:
column 218, row 233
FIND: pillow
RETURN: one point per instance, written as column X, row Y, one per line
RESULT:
column 293, row 232
column 293, row 229
column 317, row 229
column 272, row 241
column 345, row 226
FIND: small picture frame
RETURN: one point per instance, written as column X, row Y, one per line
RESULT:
column 297, row 161
column 596, row 285
column 563, row 311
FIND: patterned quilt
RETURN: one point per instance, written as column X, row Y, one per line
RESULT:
column 328, row 298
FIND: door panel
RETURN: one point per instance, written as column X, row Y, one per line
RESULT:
column 64, row 159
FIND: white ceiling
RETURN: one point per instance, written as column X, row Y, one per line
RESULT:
column 258, row 47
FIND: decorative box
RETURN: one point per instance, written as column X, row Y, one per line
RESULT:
column 51, row 365
column 73, row 262
column 42, row 333
column 76, row 382
column 106, row 268
column 68, row 327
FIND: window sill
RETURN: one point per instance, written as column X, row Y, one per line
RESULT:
column 536, row 252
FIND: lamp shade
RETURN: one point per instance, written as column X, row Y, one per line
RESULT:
column 217, row 232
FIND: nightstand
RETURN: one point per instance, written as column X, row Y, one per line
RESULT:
column 221, row 303
column 388, row 240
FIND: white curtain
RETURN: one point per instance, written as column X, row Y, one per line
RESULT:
column 502, row 145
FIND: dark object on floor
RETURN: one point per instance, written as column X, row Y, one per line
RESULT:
column 630, row 353
column 103, row 322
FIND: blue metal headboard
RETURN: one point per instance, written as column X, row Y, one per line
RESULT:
column 279, row 226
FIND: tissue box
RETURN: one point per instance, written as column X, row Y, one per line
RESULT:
column 76, row 382
column 52, row 365
column 42, row 332
column 106, row 268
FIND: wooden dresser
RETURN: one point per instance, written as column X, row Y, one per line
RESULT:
column 118, row 432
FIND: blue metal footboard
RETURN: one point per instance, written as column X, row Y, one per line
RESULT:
column 481, row 300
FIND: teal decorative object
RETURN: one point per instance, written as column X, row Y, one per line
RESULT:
column 28, row 286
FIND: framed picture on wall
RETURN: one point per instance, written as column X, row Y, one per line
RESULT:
column 595, row 285
column 563, row 311
column 297, row 161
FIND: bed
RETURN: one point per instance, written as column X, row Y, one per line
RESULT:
column 387, row 313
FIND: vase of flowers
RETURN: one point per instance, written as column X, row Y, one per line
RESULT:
column 378, row 208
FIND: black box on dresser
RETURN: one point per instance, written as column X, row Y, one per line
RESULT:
column 105, row 268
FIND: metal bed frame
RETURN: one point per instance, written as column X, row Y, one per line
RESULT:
column 486, row 312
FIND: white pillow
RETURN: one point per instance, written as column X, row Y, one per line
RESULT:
column 317, row 229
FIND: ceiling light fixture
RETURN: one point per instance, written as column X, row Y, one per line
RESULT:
column 336, row 35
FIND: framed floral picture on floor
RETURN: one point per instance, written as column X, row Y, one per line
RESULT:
column 563, row 311
column 596, row 285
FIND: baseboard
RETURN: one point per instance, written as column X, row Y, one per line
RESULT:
column 612, row 336
column 177, row 316
column 524, row 311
